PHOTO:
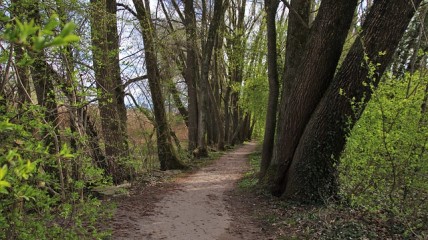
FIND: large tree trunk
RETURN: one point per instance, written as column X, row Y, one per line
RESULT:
column 45, row 92
column 111, row 94
column 23, row 79
column 191, row 75
column 318, row 64
column 166, row 152
column 312, row 174
column 297, row 35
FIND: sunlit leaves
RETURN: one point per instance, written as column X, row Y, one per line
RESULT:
column 384, row 165
column 3, row 183
column 36, row 37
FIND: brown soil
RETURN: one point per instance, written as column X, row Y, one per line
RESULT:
column 201, row 205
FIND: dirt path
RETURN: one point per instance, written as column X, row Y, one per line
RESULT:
column 193, row 208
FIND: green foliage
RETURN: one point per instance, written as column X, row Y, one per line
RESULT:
column 255, row 90
column 385, row 164
column 250, row 179
column 33, row 202
column 43, row 193
column 36, row 37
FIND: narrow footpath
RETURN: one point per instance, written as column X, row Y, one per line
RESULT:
column 194, row 207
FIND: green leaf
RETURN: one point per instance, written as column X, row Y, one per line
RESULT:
column 52, row 24
column 4, row 184
column 66, row 152
column 68, row 29
column 3, row 172
column 71, row 38
column 3, row 190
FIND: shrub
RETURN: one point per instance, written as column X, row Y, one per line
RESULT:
column 34, row 203
column 384, row 167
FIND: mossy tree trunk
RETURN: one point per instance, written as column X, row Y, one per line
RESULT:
column 111, row 94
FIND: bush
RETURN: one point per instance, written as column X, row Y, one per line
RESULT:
column 34, row 203
column 384, row 167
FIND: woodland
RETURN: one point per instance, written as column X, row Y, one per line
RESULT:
column 100, row 92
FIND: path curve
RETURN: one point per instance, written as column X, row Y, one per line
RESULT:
column 196, row 208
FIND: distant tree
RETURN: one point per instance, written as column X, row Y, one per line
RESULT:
column 166, row 152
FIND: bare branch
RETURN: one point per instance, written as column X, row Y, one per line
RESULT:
column 129, row 9
column 133, row 80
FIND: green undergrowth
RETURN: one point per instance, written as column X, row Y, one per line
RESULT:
column 384, row 167
column 291, row 220
column 250, row 179
column 45, row 195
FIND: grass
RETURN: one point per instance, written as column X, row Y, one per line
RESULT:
column 250, row 179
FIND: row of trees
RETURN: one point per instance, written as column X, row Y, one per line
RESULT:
column 314, row 64
column 67, row 89
column 204, row 53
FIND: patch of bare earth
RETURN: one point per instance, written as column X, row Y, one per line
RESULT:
column 201, row 205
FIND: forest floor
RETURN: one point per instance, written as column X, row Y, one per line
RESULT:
column 203, row 204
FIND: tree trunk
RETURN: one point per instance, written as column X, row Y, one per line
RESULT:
column 43, row 85
column 297, row 35
column 271, row 7
column 219, row 9
column 217, row 92
column 318, row 64
column 178, row 103
column 110, row 89
column 312, row 174
column 166, row 152
column 191, row 76
column 23, row 79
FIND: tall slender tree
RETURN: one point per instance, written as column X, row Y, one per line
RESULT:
column 207, row 52
column 271, row 7
column 192, row 72
column 166, row 152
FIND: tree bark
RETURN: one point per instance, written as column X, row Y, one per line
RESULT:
column 191, row 74
column 23, row 79
column 312, row 174
column 43, row 85
column 318, row 64
column 297, row 36
column 110, row 89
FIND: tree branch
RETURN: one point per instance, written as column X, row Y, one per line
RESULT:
column 133, row 80
column 296, row 13
column 129, row 9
